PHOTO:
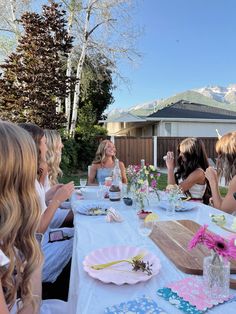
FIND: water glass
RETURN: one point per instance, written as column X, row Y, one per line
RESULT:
column 83, row 182
column 101, row 192
column 145, row 228
column 170, row 210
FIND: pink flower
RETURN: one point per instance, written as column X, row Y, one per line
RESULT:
column 214, row 242
column 153, row 184
column 198, row 237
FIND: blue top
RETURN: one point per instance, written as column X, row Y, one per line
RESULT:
column 102, row 173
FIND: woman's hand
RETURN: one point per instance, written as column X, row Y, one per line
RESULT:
column 170, row 160
column 64, row 192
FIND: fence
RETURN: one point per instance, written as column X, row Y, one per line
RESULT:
column 132, row 149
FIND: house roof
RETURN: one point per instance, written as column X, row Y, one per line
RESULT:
column 188, row 110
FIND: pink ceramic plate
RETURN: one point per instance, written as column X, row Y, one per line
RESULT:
column 121, row 273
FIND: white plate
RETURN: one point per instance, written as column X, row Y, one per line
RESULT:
column 121, row 273
column 185, row 206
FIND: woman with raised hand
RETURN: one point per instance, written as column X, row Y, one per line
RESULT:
column 56, row 268
column 103, row 164
column 51, row 200
column 226, row 168
column 192, row 162
column 54, row 143
column 20, row 255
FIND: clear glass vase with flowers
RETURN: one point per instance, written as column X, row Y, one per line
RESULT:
column 142, row 180
column 216, row 267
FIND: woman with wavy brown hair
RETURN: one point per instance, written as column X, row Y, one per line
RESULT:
column 19, row 217
column 192, row 162
column 226, row 168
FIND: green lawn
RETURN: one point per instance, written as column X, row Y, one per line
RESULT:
column 162, row 181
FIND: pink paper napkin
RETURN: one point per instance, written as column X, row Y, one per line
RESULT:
column 192, row 289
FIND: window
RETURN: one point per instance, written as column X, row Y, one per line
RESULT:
column 168, row 129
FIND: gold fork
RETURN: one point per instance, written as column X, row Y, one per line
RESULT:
column 129, row 260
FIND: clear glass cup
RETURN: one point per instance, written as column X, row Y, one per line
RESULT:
column 145, row 228
column 83, row 182
column 170, row 210
column 101, row 192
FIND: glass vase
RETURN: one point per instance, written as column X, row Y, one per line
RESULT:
column 216, row 276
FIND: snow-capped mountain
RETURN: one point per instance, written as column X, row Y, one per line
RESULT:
column 216, row 96
column 219, row 93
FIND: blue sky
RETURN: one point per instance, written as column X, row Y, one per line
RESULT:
column 186, row 44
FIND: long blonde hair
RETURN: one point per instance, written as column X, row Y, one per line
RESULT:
column 53, row 155
column 226, row 160
column 19, row 211
column 101, row 152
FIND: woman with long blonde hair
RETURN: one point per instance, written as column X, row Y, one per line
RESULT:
column 19, row 218
column 104, row 163
column 53, row 155
column 226, row 168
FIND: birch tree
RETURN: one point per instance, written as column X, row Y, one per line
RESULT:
column 99, row 27
column 10, row 29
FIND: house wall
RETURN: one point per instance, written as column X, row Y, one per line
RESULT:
column 196, row 129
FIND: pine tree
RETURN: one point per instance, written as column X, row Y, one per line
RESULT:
column 34, row 80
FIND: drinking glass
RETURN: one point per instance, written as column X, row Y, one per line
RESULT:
column 83, row 182
column 101, row 192
column 145, row 228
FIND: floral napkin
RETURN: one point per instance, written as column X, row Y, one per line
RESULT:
column 189, row 295
column 142, row 305
column 113, row 216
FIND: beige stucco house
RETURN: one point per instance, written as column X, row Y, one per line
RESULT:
column 178, row 120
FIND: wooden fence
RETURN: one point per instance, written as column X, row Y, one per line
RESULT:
column 132, row 149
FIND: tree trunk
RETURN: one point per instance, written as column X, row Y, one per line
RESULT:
column 79, row 72
column 69, row 66
column 14, row 20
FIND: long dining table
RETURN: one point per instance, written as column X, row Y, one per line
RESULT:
column 91, row 296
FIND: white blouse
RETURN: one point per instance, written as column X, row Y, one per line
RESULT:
column 41, row 193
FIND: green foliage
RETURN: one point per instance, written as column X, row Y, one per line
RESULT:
column 34, row 78
column 79, row 152
column 88, row 135
column 70, row 156
column 96, row 85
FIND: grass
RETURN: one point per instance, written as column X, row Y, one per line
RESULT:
column 162, row 181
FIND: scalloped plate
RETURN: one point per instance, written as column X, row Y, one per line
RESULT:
column 185, row 206
column 121, row 273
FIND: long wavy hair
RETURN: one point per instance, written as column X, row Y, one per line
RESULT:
column 101, row 153
column 191, row 156
column 37, row 133
column 19, row 212
column 226, row 161
column 53, row 156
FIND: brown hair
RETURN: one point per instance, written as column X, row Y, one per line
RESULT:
column 191, row 156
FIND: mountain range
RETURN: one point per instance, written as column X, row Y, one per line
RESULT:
column 215, row 96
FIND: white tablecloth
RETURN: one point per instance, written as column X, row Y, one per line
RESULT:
column 90, row 296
